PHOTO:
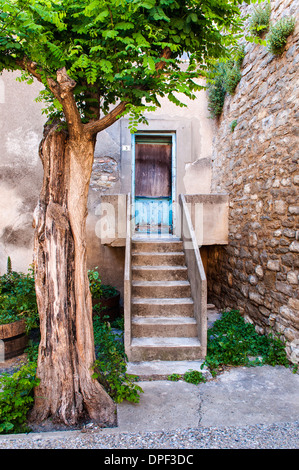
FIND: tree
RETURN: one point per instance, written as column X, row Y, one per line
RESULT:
column 97, row 60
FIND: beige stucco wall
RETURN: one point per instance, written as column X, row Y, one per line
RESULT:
column 21, row 126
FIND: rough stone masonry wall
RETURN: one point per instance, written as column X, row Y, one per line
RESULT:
column 256, row 165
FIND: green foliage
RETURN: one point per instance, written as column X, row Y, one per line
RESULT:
column 16, row 398
column 8, row 269
column 260, row 19
column 108, row 291
column 95, row 283
column 174, row 377
column 279, row 33
column 18, row 298
column 112, row 49
column 110, row 366
column 233, row 125
column 194, row 377
column 223, row 78
column 232, row 341
column 191, row 376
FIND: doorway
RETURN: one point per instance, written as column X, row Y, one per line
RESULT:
column 153, row 187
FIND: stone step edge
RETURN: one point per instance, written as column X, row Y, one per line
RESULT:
column 161, row 370
column 144, row 283
column 163, row 320
column 157, row 253
column 162, row 300
column 163, row 267
column 176, row 342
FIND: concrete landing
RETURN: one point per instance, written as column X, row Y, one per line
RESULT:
column 238, row 397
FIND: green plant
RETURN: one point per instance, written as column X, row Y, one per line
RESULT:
column 95, row 283
column 278, row 34
column 260, row 20
column 16, row 398
column 8, row 269
column 232, row 341
column 110, row 367
column 233, row 125
column 216, row 91
column 18, row 299
column 108, row 291
column 174, row 377
column 194, row 377
column 223, row 78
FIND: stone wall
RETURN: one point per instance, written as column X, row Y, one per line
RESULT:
column 256, row 165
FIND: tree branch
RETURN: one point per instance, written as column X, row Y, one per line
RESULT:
column 106, row 121
column 63, row 91
column 30, row 67
column 165, row 55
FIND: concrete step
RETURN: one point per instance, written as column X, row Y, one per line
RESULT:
column 161, row 289
column 158, row 246
column 160, row 273
column 164, row 326
column 153, row 307
column 158, row 259
column 161, row 370
column 165, row 349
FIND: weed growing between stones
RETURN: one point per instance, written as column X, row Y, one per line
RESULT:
column 223, row 79
column 260, row 20
column 191, row 376
column 278, row 35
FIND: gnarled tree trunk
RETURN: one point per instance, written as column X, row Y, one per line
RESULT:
column 66, row 392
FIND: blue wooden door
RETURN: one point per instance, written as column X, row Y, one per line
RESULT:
column 153, row 184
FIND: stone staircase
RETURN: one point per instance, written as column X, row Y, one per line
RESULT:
column 163, row 326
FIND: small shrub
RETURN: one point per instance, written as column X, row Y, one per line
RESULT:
column 278, row 35
column 260, row 20
column 18, row 299
column 223, row 78
column 216, row 91
column 16, row 398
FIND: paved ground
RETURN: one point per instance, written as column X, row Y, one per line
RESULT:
column 243, row 408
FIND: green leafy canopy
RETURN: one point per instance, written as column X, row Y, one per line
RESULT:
column 117, row 50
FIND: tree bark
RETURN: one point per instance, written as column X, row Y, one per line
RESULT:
column 66, row 392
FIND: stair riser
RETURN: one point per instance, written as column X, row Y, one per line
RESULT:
column 158, row 260
column 149, row 310
column 159, row 275
column 159, row 247
column 159, row 330
column 161, row 291
column 150, row 353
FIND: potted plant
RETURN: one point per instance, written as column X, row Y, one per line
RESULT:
column 105, row 298
column 18, row 310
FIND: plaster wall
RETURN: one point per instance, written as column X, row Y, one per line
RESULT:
column 21, row 127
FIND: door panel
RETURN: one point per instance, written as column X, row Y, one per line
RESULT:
column 153, row 170
column 153, row 186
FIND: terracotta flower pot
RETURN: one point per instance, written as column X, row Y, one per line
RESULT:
column 14, row 338
column 110, row 306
